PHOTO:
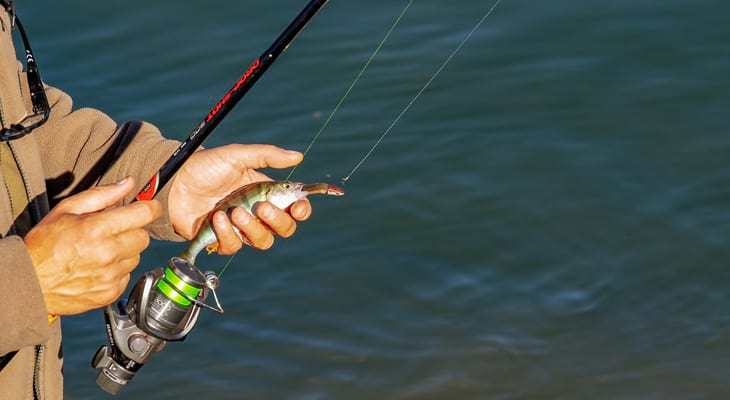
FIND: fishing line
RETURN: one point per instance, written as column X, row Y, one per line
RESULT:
column 420, row 92
column 401, row 114
column 225, row 267
column 353, row 84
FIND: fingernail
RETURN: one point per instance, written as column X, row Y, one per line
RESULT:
column 299, row 212
column 123, row 181
column 293, row 153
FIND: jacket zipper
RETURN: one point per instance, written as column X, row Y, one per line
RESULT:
column 37, row 372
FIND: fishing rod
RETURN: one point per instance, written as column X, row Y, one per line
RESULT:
column 244, row 84
column 165, row 303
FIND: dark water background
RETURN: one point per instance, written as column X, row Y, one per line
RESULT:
column 551, row 220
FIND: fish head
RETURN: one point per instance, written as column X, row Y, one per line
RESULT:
column 285, row 193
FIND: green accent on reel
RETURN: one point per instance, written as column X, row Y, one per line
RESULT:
column 170, row 281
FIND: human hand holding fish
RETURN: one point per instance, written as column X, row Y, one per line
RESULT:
column 211, row 174
column 218, row 200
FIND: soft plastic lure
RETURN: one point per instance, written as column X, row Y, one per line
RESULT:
column 282, row 194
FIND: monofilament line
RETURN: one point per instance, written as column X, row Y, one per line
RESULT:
column 353, row 84
column 225, row 267
column 420, row 92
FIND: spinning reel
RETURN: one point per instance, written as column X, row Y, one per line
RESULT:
column 163, row 307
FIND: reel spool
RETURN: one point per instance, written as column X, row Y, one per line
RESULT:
column 163, row 307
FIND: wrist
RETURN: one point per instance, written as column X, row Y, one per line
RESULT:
column 168, row 227
column 47, row 273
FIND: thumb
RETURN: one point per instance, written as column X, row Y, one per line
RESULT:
column 261, row 156
column 97, row 198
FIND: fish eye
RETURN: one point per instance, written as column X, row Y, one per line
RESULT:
column 287, row 186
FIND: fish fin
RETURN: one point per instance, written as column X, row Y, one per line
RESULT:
column 212, row 248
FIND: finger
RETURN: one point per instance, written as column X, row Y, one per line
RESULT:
column 97, row 198
column 128, row 265
column 279, row 221
column 258, row 235
column 123, row 283
column 111, row 251
column 122, row 219
column 116, row 292
column 130, row 244
column 113, row 273
column 301, row 210
column 228, row 241
column 262, row 156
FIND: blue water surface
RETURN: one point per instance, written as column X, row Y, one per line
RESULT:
column 549, row 221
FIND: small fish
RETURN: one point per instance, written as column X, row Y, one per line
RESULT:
column 282, row 194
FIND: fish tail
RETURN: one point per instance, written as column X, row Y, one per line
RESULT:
column 204, row 238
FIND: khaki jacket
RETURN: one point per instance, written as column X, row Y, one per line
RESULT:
column 73, row 150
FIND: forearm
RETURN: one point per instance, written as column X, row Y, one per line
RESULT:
column 23, row 316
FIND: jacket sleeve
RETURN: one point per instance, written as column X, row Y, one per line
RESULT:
column 85, row 147
column 23, row 319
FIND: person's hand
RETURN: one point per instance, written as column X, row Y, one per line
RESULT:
column 209, row 175
column 85, row 248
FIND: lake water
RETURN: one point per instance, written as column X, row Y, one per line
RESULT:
column 550, row 221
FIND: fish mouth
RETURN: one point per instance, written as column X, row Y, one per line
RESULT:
column 323, row 188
